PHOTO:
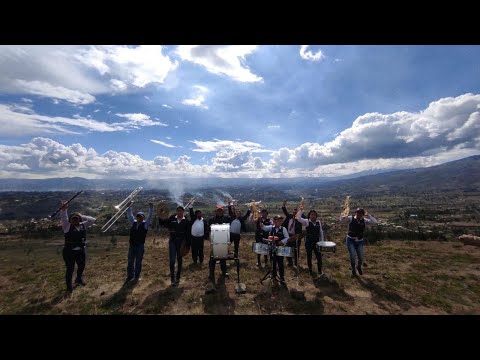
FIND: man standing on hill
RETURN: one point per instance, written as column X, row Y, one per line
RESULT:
column 138, row 233
column 200, row 232
column 237, row 225
column 219, row 218
column 75, row 231
column 294, row 228
column 180, row 234
column 354, row 241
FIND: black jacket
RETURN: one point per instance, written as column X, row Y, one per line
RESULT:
column 178, row 231
column 298, row 226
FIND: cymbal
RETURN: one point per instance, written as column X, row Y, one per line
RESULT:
column 162, row 210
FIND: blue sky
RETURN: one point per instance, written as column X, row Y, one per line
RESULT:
column 235, row 111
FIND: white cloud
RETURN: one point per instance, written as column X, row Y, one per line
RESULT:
column 65, row 72
column 138, row 66
column 162, row 143
column 18, row 120
column 118, row 85
column 96, row 110
column 308, row 55
column 444, row 125
column 273, row 126
column 146, row 97
column 139, row 119
column 15, row 166
column 167, row 106
column 57, row 92
column 221, row 59
column 26, row 100
column 168, row 138
column 228, row 145
column 198, row 97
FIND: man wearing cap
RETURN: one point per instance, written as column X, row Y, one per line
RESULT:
column 138, row 233
column 280, row 234
column 355, row 241
column 75, row 231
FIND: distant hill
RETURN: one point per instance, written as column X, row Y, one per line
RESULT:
column 460, row 174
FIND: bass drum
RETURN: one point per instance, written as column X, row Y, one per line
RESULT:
column 220, row 240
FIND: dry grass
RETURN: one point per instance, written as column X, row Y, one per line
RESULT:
column 400, row 277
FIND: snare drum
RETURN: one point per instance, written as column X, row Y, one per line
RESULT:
column 220, row 240
column 284, row 251
column 327, row 246
column 260, row 248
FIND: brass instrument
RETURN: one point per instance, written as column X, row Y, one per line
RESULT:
column 346, row 206
column 162, row 210
column 122, row 207
column 255, row 211
column 190, row 203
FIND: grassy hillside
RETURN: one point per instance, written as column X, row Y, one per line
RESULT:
column 400, row 277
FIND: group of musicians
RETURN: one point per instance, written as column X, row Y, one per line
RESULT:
column 190, row 234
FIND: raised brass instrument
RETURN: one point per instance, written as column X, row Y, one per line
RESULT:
column 122, row 207
column 346, row 206
column 255, row 211
column 190, row 203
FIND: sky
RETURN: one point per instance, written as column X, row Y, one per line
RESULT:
column 155, row 112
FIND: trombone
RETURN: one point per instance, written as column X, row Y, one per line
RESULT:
column 190, row 203
column 121, row 208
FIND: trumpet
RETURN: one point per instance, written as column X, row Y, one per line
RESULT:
column 122, row 207
column 346, row 206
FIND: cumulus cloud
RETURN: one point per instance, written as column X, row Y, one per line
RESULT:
column 77, row 73
column 309, row 55
column 221, row 59
column 444, row 125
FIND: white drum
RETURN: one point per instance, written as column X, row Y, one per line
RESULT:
column 260, row 248
column 284, row 251
column 220, row 240
column 327, row 246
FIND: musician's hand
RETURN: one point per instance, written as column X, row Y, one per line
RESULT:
column 64, row 205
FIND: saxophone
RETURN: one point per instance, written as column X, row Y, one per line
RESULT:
column 346, row 206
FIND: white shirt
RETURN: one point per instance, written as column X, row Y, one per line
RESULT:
column 198, row 229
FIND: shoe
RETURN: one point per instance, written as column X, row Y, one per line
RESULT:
column 225, row 274
column 69, row 289
column 354, row 274
column 359, row 269
column 80, row 282
column 128, row 279
column 289, row 264
column 282, row 281
column 137, row 278
column 259, row 265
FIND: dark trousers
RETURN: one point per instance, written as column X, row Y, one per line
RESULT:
column 197, row 248
column 211, row 267
column 281, row 269
column 296, row 251
column 258, row 238
column 236, row 243
column 309, row 247
column 135, row 258
column 174, row 253
column 71, row 257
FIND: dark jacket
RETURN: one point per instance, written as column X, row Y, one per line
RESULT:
column 178, row 231
column 298, row 226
